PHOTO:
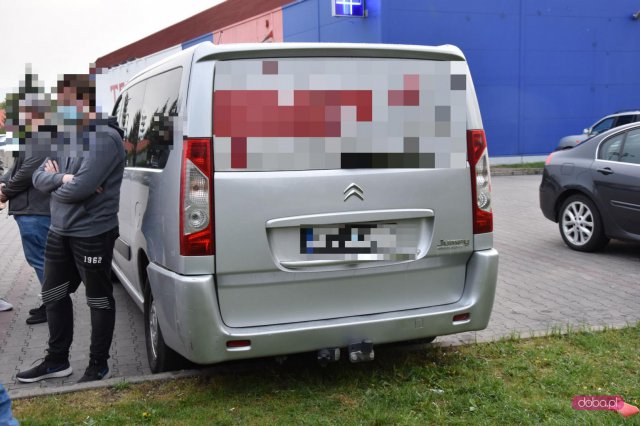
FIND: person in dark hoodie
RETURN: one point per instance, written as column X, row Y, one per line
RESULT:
column 85, row 192
column 29, row 207
column 4, row 305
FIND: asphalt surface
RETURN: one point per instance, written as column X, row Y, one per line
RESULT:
column 542, row 287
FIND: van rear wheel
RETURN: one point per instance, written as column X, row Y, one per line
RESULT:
column 161, row 357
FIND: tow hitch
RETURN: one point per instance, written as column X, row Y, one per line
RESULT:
column 325, row 356
column 361, row 352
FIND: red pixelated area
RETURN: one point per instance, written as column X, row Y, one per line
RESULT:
column 314, row 113
column 409, row 95
column 239, row 153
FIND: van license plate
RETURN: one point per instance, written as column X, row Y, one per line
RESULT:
column 363, row 241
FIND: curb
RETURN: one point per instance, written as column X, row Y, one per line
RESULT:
column 77, row 387
column 504, row 171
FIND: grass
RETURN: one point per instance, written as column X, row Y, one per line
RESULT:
column 507, row 382
column 535, row 165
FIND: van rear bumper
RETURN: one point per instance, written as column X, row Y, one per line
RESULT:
column 189, row 317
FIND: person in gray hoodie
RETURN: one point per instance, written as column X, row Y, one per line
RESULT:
column 28, row 206
column 85, row 192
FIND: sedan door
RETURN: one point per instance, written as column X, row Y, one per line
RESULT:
column 616, row 175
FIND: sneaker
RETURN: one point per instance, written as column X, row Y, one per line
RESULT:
column 39, row 316
column 95, row 371
column 36, row 310
column 47, row 369
column 5, row 306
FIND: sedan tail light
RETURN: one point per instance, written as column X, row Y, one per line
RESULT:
column 548, row 160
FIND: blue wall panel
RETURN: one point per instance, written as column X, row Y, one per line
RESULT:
column 312, row 20
column 542, row 69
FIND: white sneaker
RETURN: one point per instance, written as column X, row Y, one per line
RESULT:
column 5, row 306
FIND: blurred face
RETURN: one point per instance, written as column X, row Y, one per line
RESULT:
column 73, row 110
column 68, row 98
column 34, row 117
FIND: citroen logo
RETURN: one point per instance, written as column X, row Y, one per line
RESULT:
column 353, row 190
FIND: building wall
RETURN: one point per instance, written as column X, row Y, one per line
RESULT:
column 259, row 29
column 311, row 20
column 262, row 28
column 542, row 69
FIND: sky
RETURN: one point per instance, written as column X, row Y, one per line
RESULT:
column 65, row 36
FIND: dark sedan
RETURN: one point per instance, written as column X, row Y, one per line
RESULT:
column 593, row 190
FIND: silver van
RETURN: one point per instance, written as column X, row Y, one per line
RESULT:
column 286, row 198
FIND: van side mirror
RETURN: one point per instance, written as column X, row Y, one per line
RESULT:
column 585, row 131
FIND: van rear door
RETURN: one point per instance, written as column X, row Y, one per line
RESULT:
column 341, row 186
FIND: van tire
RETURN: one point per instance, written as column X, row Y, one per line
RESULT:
column 422, row 341
column 581, row 225
column 161, row 357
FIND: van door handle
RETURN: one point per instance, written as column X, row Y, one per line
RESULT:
column 606, row 171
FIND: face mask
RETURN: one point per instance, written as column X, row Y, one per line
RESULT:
column 69, row 112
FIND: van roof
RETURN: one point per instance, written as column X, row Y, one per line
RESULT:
column 208, row 51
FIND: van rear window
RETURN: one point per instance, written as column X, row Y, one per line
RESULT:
column 338, row 113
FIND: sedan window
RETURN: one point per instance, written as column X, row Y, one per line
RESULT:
column 631, row 150
column 602, row 126
column 610, row 149
column 625, row 119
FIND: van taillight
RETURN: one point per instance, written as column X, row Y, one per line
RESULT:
column 480, row 181
column 196, row 199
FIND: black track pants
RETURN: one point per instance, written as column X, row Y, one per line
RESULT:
column 69, row 260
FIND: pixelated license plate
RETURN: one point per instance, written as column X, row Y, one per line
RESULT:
column 364, row 241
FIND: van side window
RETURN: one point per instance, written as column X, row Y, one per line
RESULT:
column 117, row 109
column 159, row 112
column 130, row 121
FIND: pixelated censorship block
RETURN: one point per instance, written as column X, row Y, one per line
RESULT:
column 247, row 113
column 328, row 113
column 239, row 153
column 404, row 98
column 410, row 95
column 269, row 67
column 458, row 82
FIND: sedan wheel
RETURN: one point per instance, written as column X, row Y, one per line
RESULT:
column 580, row 224
column 577, row 223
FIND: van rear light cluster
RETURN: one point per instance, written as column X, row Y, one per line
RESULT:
column 196, row 199
column 480, row 181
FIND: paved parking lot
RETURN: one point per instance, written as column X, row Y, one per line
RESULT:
column 542, row 285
